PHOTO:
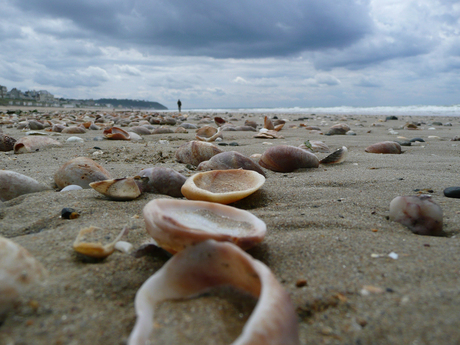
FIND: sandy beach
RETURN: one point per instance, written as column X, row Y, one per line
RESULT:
column 327, row 226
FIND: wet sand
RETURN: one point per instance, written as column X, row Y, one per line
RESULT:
column 325, row 226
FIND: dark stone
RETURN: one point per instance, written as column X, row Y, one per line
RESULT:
column 234, row 144
column 391, row 118
column 69, row 213
column 452, row 192
column 417, row 139
column 436, row 123
column 404, row 142
column 222, row 144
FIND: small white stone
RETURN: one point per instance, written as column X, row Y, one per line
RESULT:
column 75, row 139
column 163, row 142
column 71, row 187
column 124, row 247
column 393, row 255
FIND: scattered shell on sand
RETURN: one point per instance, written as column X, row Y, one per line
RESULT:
column 286, row 158
column 6, row 142
column 385, row 147
column 336, row 157
column 315, row 146
column 92, row 242
column 126, row 188
column 116, row 133
column 211, row 264
column 163, row 181
column 13, row 184
column 34, row 143
column 338, row 129
column 222, row 186
column 73, row 130
column 419, row 213
column 208, row 133
column 230, row 160
column 194, row 152
column 178, row 224
column 18, row 270
column 80, row 171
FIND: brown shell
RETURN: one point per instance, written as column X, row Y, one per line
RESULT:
column 230, row 160
column 163, row 181
column 116, row 133
column 141, row 130
column 6, row 142
column 338, row 129
column 162, row 130
column 80, row 171
column 73, row 130
column 194, row 152
column 386, row 147
column 286, row 158
column 34, row 143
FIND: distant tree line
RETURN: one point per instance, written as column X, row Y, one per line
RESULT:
column 130, row 103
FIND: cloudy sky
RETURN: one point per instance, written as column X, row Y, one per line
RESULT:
column 238, row 53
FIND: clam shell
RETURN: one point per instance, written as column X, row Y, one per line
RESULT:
column 13, row 184
column 18, row 270
column 419, row 213
column 336, row 157
column 140, row 130
column 162, row 130
column 268, row 124
column 35, row 125
column 116, row 133
column 208, row 133
column 251, row 123
column 90, row 242
column 230, row 160
column 194, row 152
column 211, row 264
column 34, row 143
column 268, row 134
column 73, row 130
column 315, row 146
column 126, row 188
column 222, row 186
column 6, row 143
column 163, row 181
column 338, row 129
column 386, row 147
column 178, row 224
column 286, row 158
column 80, row 171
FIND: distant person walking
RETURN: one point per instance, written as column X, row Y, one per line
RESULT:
column 179, row 104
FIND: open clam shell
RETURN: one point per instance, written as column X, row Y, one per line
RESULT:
column 126, row 188
column 211, row 264
column 116, row 133
column 222, row 186
column 90, row 242
column 178, row 224
column 163, row 181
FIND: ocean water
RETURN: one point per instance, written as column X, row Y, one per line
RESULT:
column 412, row 110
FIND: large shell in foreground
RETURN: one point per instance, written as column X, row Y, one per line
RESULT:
column 222, row 186
column 34, row 143
column 178, row 224
column 286, row 158
column 6, row 142
column 386, row 147
column 126, row 188
column 18, row 270
column 116, row 133
column 13, row 184
column 419, row 213
column 80, row 171
column 336, row 157
column 211, row 264
column 163, row 181
column 230, row 160
column 194, row 152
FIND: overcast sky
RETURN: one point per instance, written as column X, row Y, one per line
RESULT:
column 238, row 53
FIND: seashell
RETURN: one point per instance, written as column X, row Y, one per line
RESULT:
column 338, row 129
column 194, row 152
column 410, row 125
column 35, row 125
column 268, row 124
column 219, row 121
column 230, row 160
column 6, row 143
column 18, row 271
column 210, row 264
column 210, row 134
column 34, row 143
column 73, row 130
column 71, row 187
column 180, row 130
column 286, row 158
column 162, row 130
column 250, row 123
column 222, row 186
column 75, row 139
column 336, row 157
column 315, row 146
column 386, row 147
column 90, row 241
column 187, row 125
column 419, row 213
column 268, row 134
column 116, row 133
column 178, row 224
column 141, row 130
column 126, row 188
column 58, row 128
column 124, row 247
column 13, row 184
column 134, row 136
column 80, row 171
column 163, row 181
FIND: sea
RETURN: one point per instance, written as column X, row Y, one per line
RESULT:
column 411, row 110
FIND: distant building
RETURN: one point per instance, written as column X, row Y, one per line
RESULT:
column 15, row 94
column 45, row 96
column 3, row 91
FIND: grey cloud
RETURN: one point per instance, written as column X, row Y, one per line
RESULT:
column 89, row 77
column 237, row 28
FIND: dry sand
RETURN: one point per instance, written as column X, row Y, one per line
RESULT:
column 324, row 225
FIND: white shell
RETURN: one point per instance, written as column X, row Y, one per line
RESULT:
column 209, row 264
column 118, row 189
column 178, row 224
column 13, row 184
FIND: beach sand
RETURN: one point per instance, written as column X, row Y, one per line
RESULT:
column 325, row 226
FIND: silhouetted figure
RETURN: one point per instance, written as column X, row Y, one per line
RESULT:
column 179, row 104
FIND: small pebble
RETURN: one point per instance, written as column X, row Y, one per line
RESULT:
column 71, row 187
column 233, row 144
column 417, row 139
column 452, row 192
column 301, row 283
column 69, row 213
column 99, row 138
